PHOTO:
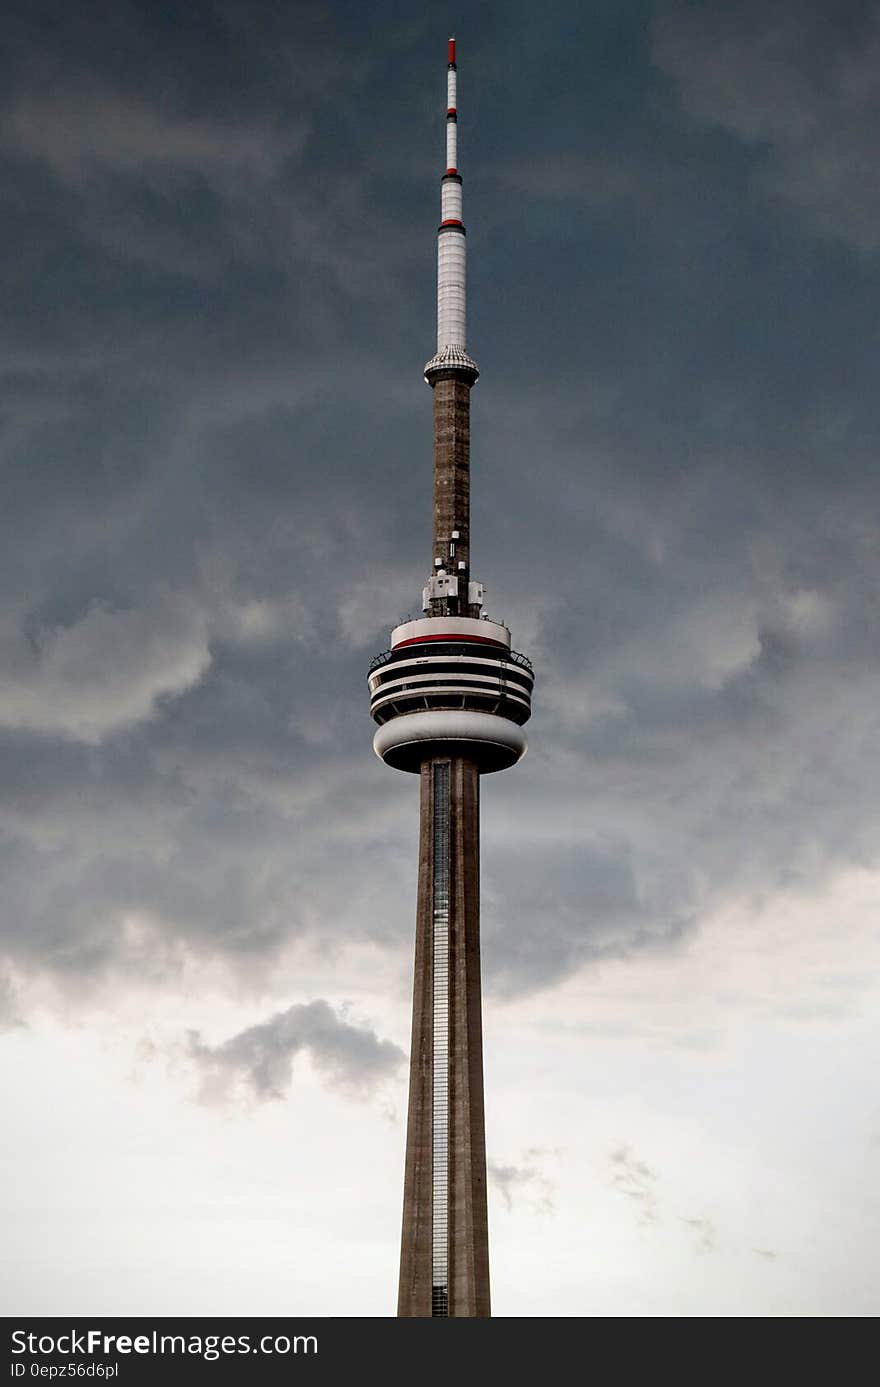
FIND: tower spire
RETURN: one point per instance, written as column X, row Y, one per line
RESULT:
column 451, row 254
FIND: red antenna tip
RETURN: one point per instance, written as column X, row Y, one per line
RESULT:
column 452, row 50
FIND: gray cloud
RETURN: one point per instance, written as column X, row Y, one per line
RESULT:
column 706, row 1237
column 9, row 1018
column 104, row 671
column 259, row 1060
column 527, row 1182
column 80, row 132
column 632, row 1178
column 799, row 83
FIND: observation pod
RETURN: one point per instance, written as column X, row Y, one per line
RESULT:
column 450, row 686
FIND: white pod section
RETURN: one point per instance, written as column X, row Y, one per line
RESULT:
column 494, row 743
column 449, row 628
column 451, row 88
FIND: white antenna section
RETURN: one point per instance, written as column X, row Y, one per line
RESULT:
column 451, row 252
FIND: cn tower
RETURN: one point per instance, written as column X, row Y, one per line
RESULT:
column 450, row 698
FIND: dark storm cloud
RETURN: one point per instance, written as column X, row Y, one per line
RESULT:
column 798, row 83
column 260, row 1059
column 216, row 468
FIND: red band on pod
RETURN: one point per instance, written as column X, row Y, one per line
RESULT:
column 466, row 640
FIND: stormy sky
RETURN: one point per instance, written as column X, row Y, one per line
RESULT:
column 218, row 286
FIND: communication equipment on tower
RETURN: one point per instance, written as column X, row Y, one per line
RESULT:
column 440, row 588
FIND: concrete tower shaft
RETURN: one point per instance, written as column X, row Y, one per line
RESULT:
column 451, row 537
column 444, row 1260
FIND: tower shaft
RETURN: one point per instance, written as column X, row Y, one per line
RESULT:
column 452, row 481
column 444, row 1262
